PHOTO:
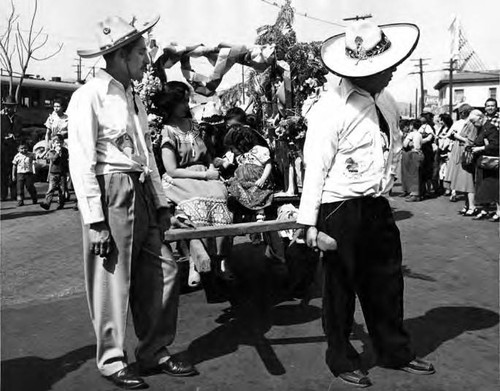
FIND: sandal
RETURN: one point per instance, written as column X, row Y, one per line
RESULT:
column 482, row 215
column 495, row 218
column 463, row 211
column 194, row 277
column 472, row 212
column 453, row 198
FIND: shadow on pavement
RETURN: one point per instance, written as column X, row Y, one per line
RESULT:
column 402, row 215
column 443, row 324
column 436, row 327
column 226, row 339
column 407, row 272
column 39, row 374
column 31, row 213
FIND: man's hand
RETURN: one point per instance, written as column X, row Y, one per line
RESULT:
column 101, row 242
column 181, row 222
column 164, row 216
column 311, row 237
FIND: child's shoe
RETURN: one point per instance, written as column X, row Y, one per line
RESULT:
column 45, row 206
column 20, row 203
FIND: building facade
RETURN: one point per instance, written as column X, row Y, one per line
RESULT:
column 470, row 87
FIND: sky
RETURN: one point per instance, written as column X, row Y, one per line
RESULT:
column 210, row 22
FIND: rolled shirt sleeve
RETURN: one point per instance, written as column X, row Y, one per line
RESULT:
column 159, row 198
column 319, row 153
column 82, row 140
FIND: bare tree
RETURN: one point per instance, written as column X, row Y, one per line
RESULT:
column 23, row 42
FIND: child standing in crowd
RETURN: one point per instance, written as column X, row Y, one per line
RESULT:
column 23, row 167
column 251, row 185
column 58, row 170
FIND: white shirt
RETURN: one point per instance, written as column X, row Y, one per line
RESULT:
column 107, row 136
column 57, row 124
column 344, row 151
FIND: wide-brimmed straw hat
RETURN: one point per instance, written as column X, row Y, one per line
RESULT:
column 114, row 33
column 366, row 49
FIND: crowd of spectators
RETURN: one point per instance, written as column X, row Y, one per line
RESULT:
column 442, row 157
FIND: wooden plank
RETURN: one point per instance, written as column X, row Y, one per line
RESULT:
column 230, row 230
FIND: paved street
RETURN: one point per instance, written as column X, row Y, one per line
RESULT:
column 451, row 299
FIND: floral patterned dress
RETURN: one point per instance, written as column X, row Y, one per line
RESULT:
column 204, row 202
column 242, row 186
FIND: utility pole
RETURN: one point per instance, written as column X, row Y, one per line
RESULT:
column 78, row 67
column 416, row 102
column 421, row 73
column 450, row 70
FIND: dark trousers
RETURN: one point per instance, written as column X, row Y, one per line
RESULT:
column 7, row 183
column 57, row 182
column 367, row 264
column 26, row 180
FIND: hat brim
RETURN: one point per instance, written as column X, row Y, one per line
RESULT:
column 89, row 53
column 404, row 39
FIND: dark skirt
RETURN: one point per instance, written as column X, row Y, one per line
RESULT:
column 411, row 167
column 486, row 186
column 242, row 187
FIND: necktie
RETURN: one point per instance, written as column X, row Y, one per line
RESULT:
column 384, row 127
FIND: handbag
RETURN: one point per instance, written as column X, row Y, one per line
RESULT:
column 467, row 159
column 488, row 162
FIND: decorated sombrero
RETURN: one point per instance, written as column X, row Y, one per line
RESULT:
column 114, row 33
column 366, row 49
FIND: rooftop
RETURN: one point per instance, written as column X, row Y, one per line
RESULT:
column 491, row 76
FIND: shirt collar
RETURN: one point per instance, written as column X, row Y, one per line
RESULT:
column 347, row 88
column 105, row 79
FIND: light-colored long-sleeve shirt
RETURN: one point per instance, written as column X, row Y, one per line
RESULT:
column 346, row 155
column 107, row 136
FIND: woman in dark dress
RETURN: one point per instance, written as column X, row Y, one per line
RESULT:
column 428, row 136
column 487, row 152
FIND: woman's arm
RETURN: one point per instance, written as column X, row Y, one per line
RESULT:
column 170, row 164
column 267, row 171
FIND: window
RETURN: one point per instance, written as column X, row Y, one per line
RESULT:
column 493, row 92
column 459, row 96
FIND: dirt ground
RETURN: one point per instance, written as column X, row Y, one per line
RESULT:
column 451, row 312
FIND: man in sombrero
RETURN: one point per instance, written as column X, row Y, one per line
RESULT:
column 124, row 212
column 351, row 152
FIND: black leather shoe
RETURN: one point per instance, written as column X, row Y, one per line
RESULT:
column 356, row 378
column 172, row 367
column 419, row 367
column 127, row 380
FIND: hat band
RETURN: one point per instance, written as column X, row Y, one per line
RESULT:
column 362, row 54
column 114, row 43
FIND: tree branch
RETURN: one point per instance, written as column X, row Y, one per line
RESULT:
column 50, row 55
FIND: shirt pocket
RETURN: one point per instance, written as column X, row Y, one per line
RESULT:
column 113, row 117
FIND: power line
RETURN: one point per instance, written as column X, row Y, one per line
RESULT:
column 304, row 14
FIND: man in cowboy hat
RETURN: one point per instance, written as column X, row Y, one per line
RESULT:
column 11, row 127
column 351, row 153
column 124, row 212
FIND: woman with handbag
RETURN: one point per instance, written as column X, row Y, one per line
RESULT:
column 462, row 180
column 487, row 151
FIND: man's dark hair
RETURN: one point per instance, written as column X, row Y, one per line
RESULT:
column 127, row 48
column 491, row 100
column 416, row 124
column 236, row 113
